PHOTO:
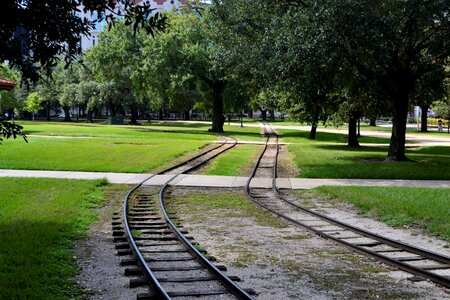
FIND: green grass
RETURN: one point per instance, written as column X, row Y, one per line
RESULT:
column 103, row 148
column 223, row 205
column 99, row 154
column 327, row 157
column 156, row 129
column 39, row 221
column 235, row 162
column 397, row 206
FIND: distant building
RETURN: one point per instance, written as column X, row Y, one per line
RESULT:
column 92, row 39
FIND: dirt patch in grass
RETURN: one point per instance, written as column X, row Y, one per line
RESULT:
column 100, row 274
column 286, row 168
column 279, row 260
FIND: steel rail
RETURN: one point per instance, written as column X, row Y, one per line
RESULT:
column 442, row 280
column 227, row 282
column 148, row 273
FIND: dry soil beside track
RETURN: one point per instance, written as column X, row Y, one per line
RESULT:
column 100, row 274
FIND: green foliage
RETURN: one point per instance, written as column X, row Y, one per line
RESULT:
column 41, row 218
column 9, row 129
column 32, row 28
column 327, row 53
column 33, row 103
column 427, row 208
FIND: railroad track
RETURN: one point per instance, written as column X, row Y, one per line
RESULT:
column 422, row 263
column 163, row 256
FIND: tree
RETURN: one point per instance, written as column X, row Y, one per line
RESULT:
column 116, row 59
column 183, row 93
column 33, row 103
column 187, row 49
column 395, row 44
column 279, row 46
column 8, row 98
column 32, row 42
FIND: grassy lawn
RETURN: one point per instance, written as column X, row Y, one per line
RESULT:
column 326, row 157
column 159, row 129
column 235, row 162
column 103, row 148
column 94, row 154
column 40, row 219
column 427, row 208
column 222, row 205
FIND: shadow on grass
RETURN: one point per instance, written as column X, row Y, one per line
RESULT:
column 331, row 147
column 37, row 255
column 176, row 124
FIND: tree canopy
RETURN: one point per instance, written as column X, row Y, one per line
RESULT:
column 31, row 42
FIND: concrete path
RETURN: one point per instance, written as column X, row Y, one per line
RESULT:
column 223, row 181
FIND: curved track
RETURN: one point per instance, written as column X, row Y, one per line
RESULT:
column 164, row 255
column 417, row 261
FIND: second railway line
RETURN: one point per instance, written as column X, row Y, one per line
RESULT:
column 423, row 263
column 165, row 247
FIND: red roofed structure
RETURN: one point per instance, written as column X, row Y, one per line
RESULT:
column 6, row 84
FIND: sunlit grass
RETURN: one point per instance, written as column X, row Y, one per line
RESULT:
column 327, row 157
column 95, row 154
column 236, row 162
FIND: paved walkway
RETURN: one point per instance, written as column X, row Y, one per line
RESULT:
column 223, row 181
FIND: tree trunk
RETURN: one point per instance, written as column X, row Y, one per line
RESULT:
column 272, row 115
column 263, row 114
column 250, row 113
column 187, row 115
column 312, row 133
column 217, row 116
column 134, row 116
column 47, row 110
column 373, row 122
column 112, row 109
column 352, row 132
column 89, row 116
column 161, row 114
column 424, row 118
column 397, row 143
column 66, row 110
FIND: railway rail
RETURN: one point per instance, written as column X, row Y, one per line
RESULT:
column 422, row 263
column 163, row 255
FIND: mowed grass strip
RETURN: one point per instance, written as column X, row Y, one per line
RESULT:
column 221, row 205
column 397, row 206
column 154, row 129
column 94, row 154
column 235, row 162
column 39, row 221
column 327, row 157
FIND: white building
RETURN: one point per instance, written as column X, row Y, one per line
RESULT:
column 92, row 39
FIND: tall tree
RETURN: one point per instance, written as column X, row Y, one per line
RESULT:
column 395, row 44
column 187, row 49
column 116, row 59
